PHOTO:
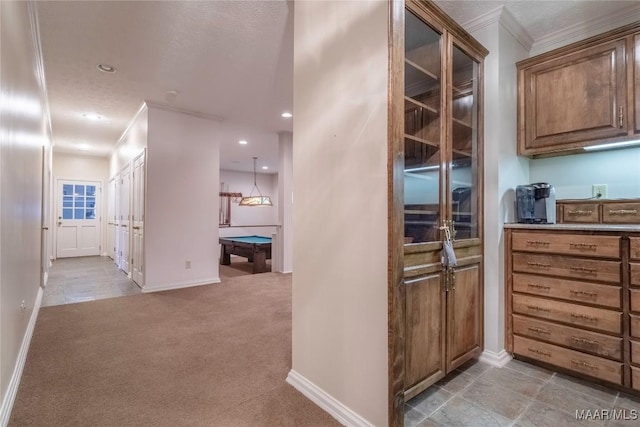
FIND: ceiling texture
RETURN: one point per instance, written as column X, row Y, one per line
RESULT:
column 231, row 60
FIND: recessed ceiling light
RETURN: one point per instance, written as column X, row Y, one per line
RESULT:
column 83, row 147
column 242, row 142
column 92, row 116
column 265, row 167
column 287, row 115
column 106, row 68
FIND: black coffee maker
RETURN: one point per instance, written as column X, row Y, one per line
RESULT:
column 536, row 203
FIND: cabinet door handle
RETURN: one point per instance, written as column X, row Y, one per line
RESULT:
column 620, row 116
column 540, row 352
column 582, row 245
column 584, row 317
column 584, row 341
column 583, row 364
column 580, row 212
column 623, row 212
column 585, row 293
column 584, row 270
column 536, row 286
column 538, row 264
column 538, row 242
column 539, row 330
column 538, row 308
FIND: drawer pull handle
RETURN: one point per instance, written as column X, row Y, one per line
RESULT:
column 580, row 212
column 584, row 270
column 584, row 317
column 538, row 264
column 538, row 308
column 584, row 293
column 538, row 242
column 582, row 246
column 539, row 330
column 584, row 341
column 583, row 364
column 624, row 212
column 540, row 352
column 536, row 286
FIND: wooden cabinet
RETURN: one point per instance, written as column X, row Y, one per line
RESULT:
column 573, row 300
column 580, row 95
column 622, row 211
column 442, row 188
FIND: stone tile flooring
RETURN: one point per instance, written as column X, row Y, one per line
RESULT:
column 86, row 279
column 521, row 395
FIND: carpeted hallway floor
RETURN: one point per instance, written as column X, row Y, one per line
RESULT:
column 207, row 356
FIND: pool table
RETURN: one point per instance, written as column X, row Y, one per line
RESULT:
column 256, row 249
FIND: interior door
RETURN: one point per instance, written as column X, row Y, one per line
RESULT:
column 78, row 222
column 111, row 223
column 125, row 219
column 137, row 220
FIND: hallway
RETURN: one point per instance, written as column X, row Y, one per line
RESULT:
column 82, row 279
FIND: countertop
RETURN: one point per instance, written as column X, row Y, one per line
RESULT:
column 576, row 227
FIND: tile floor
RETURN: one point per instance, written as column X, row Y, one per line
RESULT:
column 86, row 279
column 520, row 394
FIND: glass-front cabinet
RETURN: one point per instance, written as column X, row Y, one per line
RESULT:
column 442, row 196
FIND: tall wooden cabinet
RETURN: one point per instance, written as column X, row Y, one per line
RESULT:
column 442, row 189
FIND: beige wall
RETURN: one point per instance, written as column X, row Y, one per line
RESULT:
column 131, row 143
column 24, row 130
column 340, row 202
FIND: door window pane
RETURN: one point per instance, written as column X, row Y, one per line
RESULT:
column 79, row 202
column 79, row 214
column 91, row 190
column 91, row 202
column 67, row 213
column 79, row 190
column 67, row 201
column 91, row 214
column 67, row 190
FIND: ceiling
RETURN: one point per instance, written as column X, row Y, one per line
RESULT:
column 231, row 60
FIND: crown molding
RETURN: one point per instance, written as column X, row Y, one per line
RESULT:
column 167, row 107
column 502, row 16
column 586, row 29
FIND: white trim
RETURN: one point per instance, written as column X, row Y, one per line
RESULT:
column 180, row 285
column 14, row 383
column 495, row 359
column 336, row 409
column 142, row 109
column 183, row 111
column 586, row 29
column 504, row 17
column 45, row 279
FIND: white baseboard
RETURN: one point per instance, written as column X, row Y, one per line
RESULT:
column 336, row 409
column 14, row 383
column 495, row 359
column 180, row 285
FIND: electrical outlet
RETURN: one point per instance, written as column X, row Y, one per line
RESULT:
column 187, row 265
column 599, row 191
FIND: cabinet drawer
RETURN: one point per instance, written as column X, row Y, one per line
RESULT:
column 577, row 268
column 635, row 300
column 577, row 315
column 635, row 352
column 572, row 290
column 621, row 213
column 587, row 364
column 635, row 326
column 634, row 270
column 635, row 378
column 635, row 247
column 578, row 339
column 568, row 244
column 582, row 213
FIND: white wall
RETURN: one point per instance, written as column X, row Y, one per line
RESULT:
column 131, row 143
column 83, row 168
column 24, row 130
column 572, row 176
column 340, row 202
column 183, row 183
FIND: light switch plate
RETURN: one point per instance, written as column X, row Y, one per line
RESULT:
column 599, row 191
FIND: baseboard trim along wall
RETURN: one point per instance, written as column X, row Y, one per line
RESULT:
column 495, row 359
column 12, row 390
column 337, row 410
column 180, row 285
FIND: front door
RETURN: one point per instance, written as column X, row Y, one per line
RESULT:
column 78, row 222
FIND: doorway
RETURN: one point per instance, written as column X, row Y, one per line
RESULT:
column 78, row 231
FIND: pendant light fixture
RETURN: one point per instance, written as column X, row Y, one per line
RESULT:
column 258, row 200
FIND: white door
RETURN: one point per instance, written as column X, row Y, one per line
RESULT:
column 111, row 219
column 125, row 218
column 137, row 219
column 78, row 223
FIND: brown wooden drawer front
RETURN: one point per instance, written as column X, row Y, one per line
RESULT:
column 635, row 247
column 621, row 213
column 582, row 213
column 635, row 326
column 576, row 268
column 587, row 364
column 635, row 352
column 635, row 378
column 634, row 270
column 574, row 314
column 568, row 244
column 635, row 300
column 572, row 290
column 578, row 339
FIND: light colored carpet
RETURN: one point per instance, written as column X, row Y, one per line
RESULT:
column 214, row 355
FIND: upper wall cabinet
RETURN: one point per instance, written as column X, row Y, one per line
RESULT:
column 583, row 94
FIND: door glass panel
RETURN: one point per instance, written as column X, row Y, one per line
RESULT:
column 79, row 202
column 67, row 201
column 91, row 202
column 67, row 213
column 422, row 106
column 464, row 138
column 67, row 190
column 79, row 214
column 91, row 190
column 91, row 214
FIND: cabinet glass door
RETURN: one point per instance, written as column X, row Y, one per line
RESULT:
column 464, row 171
column 422, row 131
